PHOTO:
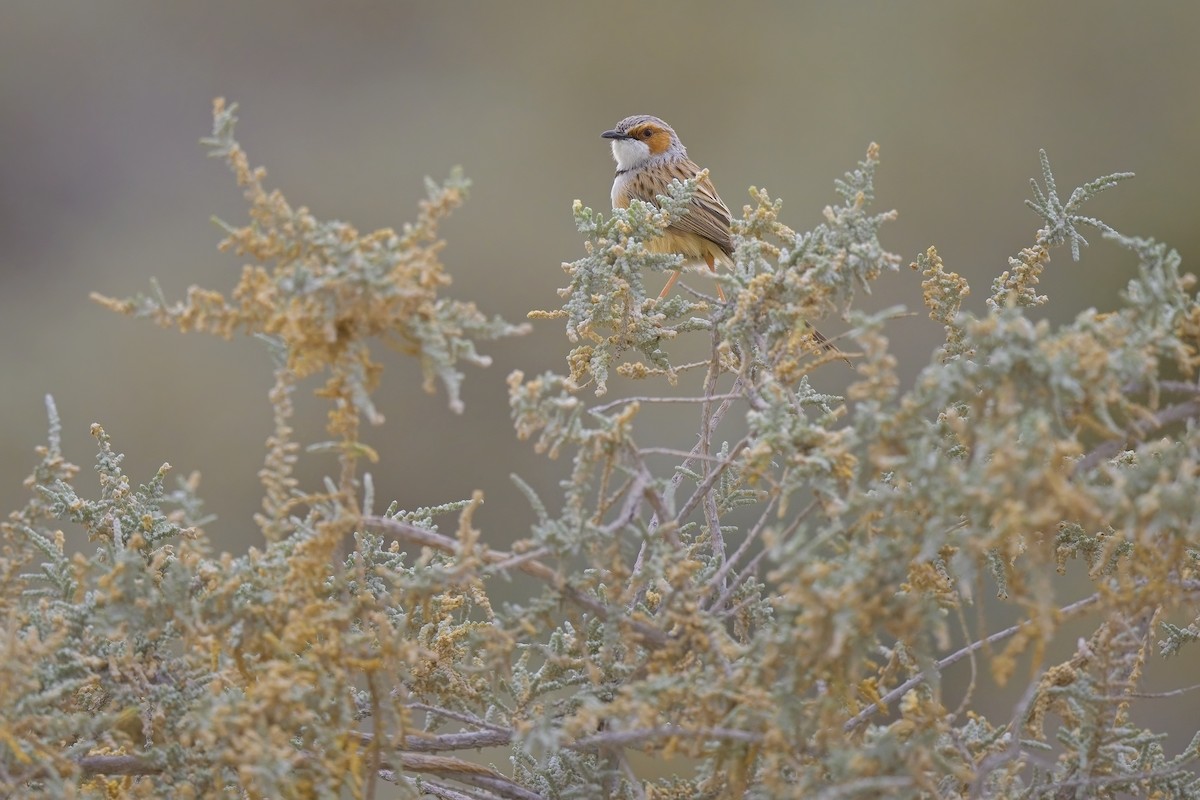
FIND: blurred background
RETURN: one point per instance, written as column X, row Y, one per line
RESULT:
column 104, row 186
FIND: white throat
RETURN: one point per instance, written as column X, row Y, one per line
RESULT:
column 628, row 153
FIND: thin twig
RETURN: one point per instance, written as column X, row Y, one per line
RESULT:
column 707, row 426
column 1136, row 433
column 1133, row 778
column 742, row 380
column 970, row 691
column 1179, row 387
column 719, row 578
column 445, row 792
column 629, row 509
column 1170, row 387
column 993, row 761
column 649, row 399
column 466, row 772
column 1160, row 695
column 473, row 740
column 605, row 504
column 717, row 415
column 444, row 742
column 751, row 568
column 422, row 537
column 865, row 787
column 521, row 558
column 894, row 694
column 733, row 610
column 659, row 504
column 705, row 487
column 635, row 783
column 691, row 456
column 373, row 754
column 458, row 716
column 744, row 575
column 607, row 739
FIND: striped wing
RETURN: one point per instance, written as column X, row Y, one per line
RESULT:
column 707, row 216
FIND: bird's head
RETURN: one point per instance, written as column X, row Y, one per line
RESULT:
column 639, row 138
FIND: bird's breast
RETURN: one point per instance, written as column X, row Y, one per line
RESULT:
column 621, row 194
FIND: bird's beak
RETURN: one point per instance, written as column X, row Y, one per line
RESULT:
column 614, row 135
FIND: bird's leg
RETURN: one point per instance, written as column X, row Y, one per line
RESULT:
column 670, row 282
column 713, row 267
column 675, row 276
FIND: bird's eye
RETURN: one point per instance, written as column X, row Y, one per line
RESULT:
column 646, row 134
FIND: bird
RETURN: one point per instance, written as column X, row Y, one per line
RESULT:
column 649, row 156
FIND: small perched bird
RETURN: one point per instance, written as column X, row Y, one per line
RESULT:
column 649, row 156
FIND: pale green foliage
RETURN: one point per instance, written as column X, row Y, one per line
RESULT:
column 606, row 302
column 1062, row 219
column 608, row 308
column 1062, row 222
column 766, row 608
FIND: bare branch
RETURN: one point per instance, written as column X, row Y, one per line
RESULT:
column 706, row 433
column 445, row 792
column 423, row 537
column 690, row 455
column 704, row 489
column 469, row 719
column 751, row 567
column 648, row 399
column 718, row 580
column 1137, row 432
column 607, row 739
column 1162, row 695
column 444, row 742
column 467, row 772
column 953, row 658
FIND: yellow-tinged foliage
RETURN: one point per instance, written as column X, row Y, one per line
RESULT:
column 777, row 611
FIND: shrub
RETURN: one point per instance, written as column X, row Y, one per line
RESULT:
column 769, row 611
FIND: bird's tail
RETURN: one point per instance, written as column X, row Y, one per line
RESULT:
column 823, row 342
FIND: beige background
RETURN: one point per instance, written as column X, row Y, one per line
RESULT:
column 349, row 105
